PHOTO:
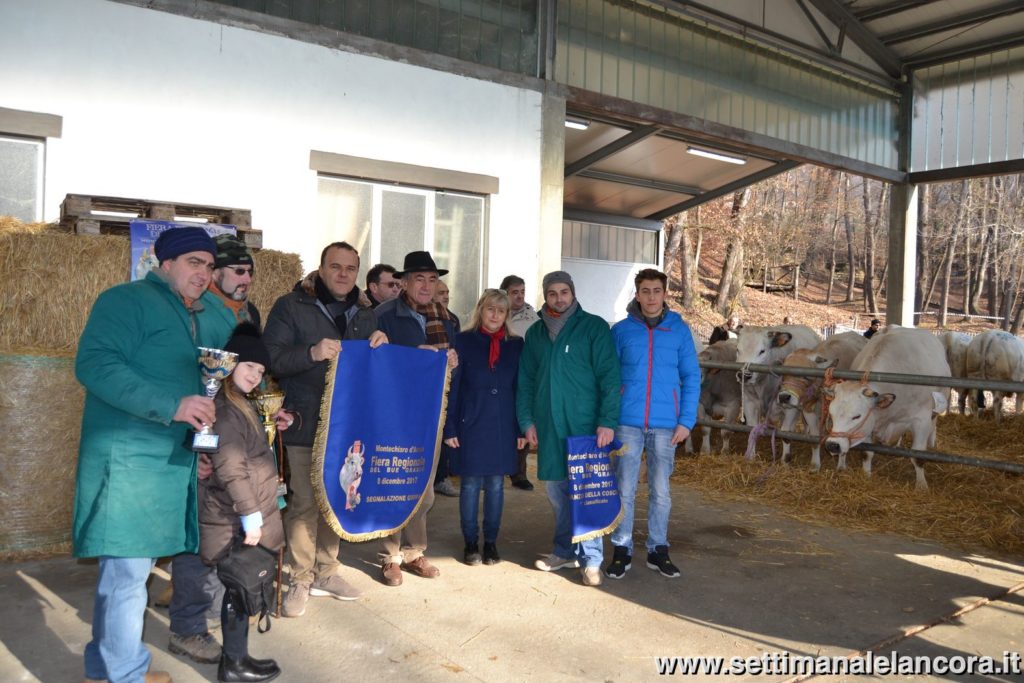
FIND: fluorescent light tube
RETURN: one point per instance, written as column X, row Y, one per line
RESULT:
column 717, row 156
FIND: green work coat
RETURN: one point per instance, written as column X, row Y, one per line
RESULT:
column 568, row 387
column 135, row 494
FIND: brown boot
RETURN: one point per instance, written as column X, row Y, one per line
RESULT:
column 158, row 677
column 392, row 573
column 420, row 567
column 164, row 599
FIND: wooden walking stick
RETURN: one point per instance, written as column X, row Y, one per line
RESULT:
column 279, row 449
column 268, row 403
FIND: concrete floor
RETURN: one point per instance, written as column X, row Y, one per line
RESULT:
column 753, row 581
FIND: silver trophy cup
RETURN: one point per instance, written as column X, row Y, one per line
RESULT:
column 215, row 366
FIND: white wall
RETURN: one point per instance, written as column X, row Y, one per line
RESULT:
column 160, row 106
column 604, row 288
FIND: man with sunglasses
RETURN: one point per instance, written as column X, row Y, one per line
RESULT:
column 382, row 285
column 233, row 274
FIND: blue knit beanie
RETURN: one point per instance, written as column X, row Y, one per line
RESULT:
column 177, row 241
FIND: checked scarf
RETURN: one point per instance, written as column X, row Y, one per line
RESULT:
column 436, row 315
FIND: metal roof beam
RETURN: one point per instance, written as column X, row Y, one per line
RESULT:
column 817, row 27
column 944, row 175
column 859, row 34
column 646, row 183
column 622, row 143
column 950, row 23
column 1005, row 42
column 583, row 216
column 888, row 9
column 759, row 34
column 775, row 170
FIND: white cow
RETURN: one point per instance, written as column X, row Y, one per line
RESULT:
column 802, row 395
column 719, row 391
column 995, row 354
column 956, row 344
column 767, row 346
column 881, row 411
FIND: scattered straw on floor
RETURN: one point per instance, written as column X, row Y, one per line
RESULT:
column 966, row 507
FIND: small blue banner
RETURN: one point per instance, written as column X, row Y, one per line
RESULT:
column 378, row 438
column 596, row 507
column 143, row 233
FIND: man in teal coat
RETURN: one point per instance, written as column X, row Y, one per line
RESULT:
column 135, row 496
column 568, row 386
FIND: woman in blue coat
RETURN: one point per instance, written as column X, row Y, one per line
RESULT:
column 481, row 427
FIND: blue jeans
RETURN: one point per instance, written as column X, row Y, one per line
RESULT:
column 116, row 652
column 660, row 462
column 589, row 553
column 196, row 590
column 469, row 503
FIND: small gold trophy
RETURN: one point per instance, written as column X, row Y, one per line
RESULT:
column 268, row 402
column 215, row 365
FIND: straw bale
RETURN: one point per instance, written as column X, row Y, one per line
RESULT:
column 276, row 275
column 966, row 507
column 49, row 280
column 40, row 415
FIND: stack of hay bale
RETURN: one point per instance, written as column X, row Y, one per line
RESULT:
column 49, row 279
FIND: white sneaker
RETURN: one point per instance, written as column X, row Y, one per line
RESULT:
column 552, row 563
column 591, row 576
column 446, row 488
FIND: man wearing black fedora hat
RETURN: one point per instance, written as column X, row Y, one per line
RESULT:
column 413, row 319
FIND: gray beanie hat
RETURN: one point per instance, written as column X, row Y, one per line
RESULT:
column 556, row 277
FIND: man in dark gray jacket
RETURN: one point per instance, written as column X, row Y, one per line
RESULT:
column 304, row 332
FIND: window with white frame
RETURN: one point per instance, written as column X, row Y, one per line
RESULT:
column 384, row 222
column 21, row 177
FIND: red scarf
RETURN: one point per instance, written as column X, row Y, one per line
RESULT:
column 495, row 350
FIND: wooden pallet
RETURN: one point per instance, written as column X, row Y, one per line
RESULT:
column 89, row 215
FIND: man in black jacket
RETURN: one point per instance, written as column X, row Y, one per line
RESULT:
column 727, row 330
column 414, row 319
column 304, row 332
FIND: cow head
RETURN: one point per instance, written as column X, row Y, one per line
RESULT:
column 854, row 412
column 755, row 344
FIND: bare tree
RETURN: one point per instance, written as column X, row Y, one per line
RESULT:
column 871, row 224
column 851, row 259
column 955, row 228
column 730, row 286
column 924, row 246
column 673, row 232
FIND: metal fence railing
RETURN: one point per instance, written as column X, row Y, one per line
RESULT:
column 895, row 378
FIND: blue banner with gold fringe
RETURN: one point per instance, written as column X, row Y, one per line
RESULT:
column 593, row 490
column 378, row 438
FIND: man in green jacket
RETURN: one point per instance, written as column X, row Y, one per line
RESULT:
column 135, row 496
column 568, row 386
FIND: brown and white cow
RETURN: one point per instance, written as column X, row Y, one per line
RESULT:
column 802, row 395
column 719, row 391
column 995, row 354
column 882, row 412
column 767, row 346
column 955, row 344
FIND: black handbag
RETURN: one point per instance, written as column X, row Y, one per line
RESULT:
column 248, row 574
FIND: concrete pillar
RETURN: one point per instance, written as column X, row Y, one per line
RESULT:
column 902, row 255
column 552, row 178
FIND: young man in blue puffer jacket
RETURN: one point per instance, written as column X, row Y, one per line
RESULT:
column 660, row 390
